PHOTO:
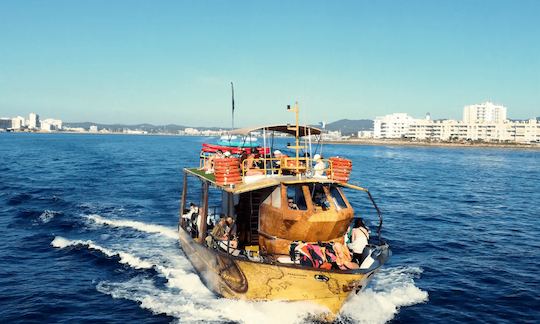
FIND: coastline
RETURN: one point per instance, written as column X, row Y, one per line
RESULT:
column 370, row 142
column 390, row 142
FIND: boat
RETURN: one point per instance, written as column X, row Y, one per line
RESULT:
column 285, row 204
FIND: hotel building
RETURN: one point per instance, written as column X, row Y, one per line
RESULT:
column 483, row 122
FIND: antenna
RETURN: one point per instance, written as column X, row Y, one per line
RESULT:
column 232, row 91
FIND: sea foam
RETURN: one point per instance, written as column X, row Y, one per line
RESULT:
column 125, row 258
column 140, row 226
column 188, row 299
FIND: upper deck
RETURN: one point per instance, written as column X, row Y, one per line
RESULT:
column 252, row 183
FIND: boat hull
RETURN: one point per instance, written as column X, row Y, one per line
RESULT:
column 237, row 278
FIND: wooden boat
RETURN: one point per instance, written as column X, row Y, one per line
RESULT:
column 264, row 265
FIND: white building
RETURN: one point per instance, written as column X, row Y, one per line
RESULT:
column 484, row 112
column 17, row 122
column 93, row 129
column 332, row 136
column 392, row 126
column 192, row 131
column 478, row 124
column 365, row 134
column 33, row 121
column 50, row 124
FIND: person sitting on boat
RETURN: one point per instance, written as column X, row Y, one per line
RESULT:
column 359, row 239
column 319, row 199
column 218, row 232
column 209, row 165
column 319, row 167
column 278, row 156
column 292, row 205
column 192, row 213
column 251, row 167
column 231, row 233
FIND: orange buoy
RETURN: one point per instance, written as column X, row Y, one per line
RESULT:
column 227, row 171
column 341, row 169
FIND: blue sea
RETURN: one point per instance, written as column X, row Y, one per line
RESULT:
column 88, row 234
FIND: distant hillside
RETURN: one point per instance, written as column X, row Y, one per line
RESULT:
column 350, row 127
column 346, row 126
column 171, row 128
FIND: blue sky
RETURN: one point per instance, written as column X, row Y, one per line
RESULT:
column 172, row 61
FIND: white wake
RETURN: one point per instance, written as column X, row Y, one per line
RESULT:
column 140, row 226
column 187, row 299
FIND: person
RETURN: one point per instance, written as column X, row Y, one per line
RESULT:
column 278, row 156
column 218, row 232
column 251, row 167
column 320, row 200
column 359, row 239
column 231, row 234
column 319, row 167
column 291, row 203
column 209, row 165
column 188, row 217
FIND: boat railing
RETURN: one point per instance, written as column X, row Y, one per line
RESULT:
column 273, row 166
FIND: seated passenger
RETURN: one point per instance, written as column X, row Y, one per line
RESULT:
column 359, row 239
column 231, row 235
column 191, row 216
column 218, row 232
column 251, row 167
column 209, row 164
column 319, row 167
column 291, row 204
column 319, row 199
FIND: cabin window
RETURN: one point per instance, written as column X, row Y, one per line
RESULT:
column 295, row 198
column 274, row 199
column 318, row 196
column 337, row 198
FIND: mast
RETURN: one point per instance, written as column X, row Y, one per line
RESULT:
column 232, row 92
column 297, row 139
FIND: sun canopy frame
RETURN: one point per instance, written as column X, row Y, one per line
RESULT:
column 288, row 129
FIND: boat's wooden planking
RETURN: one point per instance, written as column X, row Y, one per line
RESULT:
column 279, row 226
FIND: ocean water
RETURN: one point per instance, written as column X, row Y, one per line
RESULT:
column 88, row 234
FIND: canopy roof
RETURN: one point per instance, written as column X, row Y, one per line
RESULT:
column 288, row 129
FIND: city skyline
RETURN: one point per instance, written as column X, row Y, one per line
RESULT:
column 172, row 63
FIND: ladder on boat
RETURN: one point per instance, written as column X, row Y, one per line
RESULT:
column 254, row 202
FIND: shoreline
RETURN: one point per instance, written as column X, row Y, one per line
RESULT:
column 374, row 142
column 368, row 142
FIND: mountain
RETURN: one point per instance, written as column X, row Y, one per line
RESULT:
column 350, row 127
column 346, row 126
column 170, row 128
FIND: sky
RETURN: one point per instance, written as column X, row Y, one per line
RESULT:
column 165, row 62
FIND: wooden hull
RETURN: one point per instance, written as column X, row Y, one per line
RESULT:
column 237, row 278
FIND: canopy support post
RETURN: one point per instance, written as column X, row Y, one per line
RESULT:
column 203, row 213
column 183, row 201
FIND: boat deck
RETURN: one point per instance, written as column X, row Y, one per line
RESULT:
column 251, row 183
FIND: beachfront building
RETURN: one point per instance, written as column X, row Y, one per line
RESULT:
column 33, row 121
column 17, row 122
column 486, row 112
column 392, row 126
column 480, row 123
column 50, row 124
column 365, row 134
